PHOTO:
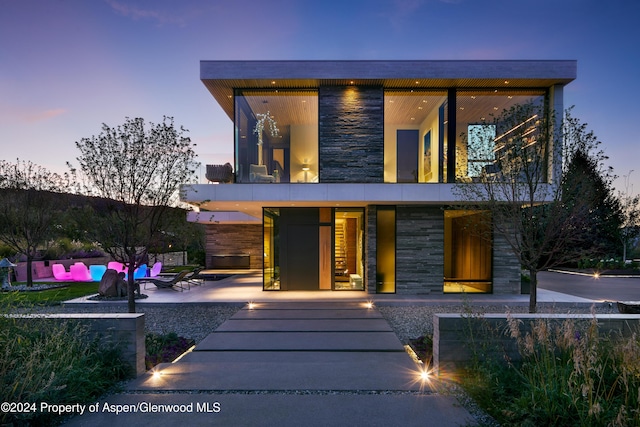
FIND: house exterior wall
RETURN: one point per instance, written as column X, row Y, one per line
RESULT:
column 506, row 268
column 235, row 239
column 419, row 250
column 350, row 138
column 351, row 129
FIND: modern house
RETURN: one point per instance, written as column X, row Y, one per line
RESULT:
column 344, row 170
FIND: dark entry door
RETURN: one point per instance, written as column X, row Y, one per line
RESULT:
column 300, row 251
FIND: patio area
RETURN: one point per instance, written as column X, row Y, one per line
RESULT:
column 244, row 286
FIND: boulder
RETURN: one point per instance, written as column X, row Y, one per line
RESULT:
column 112, row 284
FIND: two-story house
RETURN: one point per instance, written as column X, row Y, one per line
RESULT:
column 343, row 171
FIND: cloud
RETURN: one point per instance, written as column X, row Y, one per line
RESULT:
column 12, row 115
column 137, row 13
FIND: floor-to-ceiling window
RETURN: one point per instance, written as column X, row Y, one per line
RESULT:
column 276, row 136
column 385, row 249
column 348, row 249
column 414, row 135
column 484, row 127
column 271, row 249
column 467, row 251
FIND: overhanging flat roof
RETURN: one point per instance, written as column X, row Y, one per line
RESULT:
column 222, row 77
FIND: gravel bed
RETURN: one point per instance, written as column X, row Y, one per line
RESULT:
column 409, row 322
column 194, row 321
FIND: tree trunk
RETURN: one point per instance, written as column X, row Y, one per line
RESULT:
column 131, row 299
column 29, row 271
column 533, row 292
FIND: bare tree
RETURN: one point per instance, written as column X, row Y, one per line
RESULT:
column 32, row 201
column 522, row 188
column 134, row 170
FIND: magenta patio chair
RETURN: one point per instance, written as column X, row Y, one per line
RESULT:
column 117, row 266
column 59, row 273
column 80, row 272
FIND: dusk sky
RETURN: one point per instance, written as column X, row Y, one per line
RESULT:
column 67, row 66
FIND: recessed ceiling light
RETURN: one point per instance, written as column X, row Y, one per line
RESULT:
column 506, row 82
column 417, row 83
column 273, row 82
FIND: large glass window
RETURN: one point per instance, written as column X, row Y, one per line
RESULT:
column 415, row 135
column 386, row 249
column 349, row 249
column 276, row 136
column 483, row 128
column 271, row 249
column 467, row 252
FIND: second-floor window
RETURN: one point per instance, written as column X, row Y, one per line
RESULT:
column 276, row 136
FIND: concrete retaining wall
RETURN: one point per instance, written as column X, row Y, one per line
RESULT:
column 455, row 336
column 124, row 329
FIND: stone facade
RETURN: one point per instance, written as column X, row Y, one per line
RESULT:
column 351, row 129
column 235, row 239
column 419, row 250
column 506, row 268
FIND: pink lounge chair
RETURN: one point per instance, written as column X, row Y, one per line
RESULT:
column 80, row 272
column 117, row 266
column 60, row 273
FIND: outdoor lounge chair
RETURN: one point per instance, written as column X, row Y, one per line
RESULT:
column 80, row 272
column 175, row 282
column 60, row 273
column 155, row 269
column 194, row 277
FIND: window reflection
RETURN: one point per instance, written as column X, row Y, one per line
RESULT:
column 276, row 136
column 482, row 131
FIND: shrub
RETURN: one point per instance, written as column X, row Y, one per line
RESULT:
column 569, row 375
column 56, row 362
column 162, row 348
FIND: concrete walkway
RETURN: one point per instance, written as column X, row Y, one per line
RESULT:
column 288, row 364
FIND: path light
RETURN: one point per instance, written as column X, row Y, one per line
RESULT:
column 596, row 275
column 251, row 305
column 369, row 304
column 156, row 375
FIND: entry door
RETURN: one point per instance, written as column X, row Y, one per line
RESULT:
column 299, row 255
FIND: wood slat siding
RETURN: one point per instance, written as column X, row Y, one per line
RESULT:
column 233, row 239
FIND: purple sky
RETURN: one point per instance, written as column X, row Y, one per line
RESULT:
column 67, row 66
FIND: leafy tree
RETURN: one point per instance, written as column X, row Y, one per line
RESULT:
column 630, row 206
column 585, row 179
column 524, row 193
column 135, row 170
column 32, row 203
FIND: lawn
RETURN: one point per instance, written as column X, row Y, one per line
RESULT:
column 51, row 296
